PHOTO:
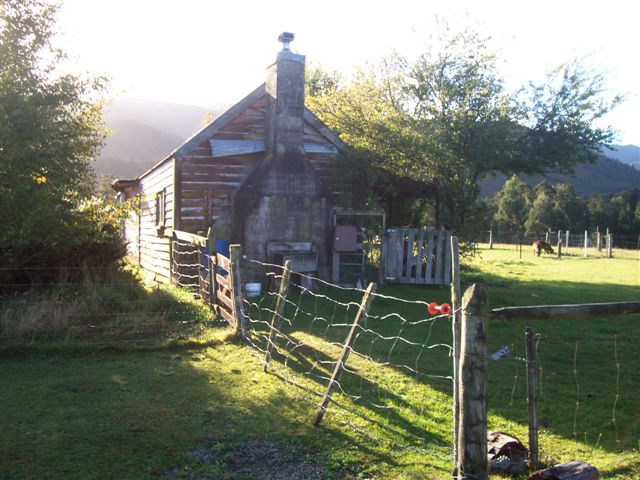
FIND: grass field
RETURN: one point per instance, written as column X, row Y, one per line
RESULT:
column 202, row 407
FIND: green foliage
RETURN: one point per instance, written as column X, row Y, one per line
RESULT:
column 521, row 208
column 50, row 131
column 513, row 204
column 448, row 121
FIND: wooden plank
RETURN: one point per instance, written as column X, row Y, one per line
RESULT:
column 223, row 262
column 400, row 253
column 223, row 281
column 190, row 237
column 439, row 257
column 419, row 262
column 447, row 260
column 428, row 279
column 411, row 233
column 226, row 301
column 567, row 311
column 227, row 316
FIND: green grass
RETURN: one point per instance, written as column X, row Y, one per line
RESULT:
column 151, row 413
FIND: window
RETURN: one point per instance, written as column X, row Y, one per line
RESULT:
column 159, row 212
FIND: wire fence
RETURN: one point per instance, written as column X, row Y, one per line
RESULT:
column 586, row 388
column 572, row 241
column 399, row 355
column 99, row 307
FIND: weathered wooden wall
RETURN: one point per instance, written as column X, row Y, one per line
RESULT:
column 207, row 183
column 155, row 254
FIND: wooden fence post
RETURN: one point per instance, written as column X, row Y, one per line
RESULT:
column 472, row 429
column 586, row 242
column 202, row 270
column 559, row 248
column 363, row 310
column 211, row 252
column 532, row 395
column 490, row 239
column 235, row 253
column 520, row 245
column 384, row 248
column 598, row 240
column 609, row 245
column 277, row 314
column 455, row 301
column 567, row 242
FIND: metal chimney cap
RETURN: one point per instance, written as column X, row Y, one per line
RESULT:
column 286, row 38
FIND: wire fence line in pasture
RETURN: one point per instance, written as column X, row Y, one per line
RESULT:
column 113, row 308
column 576, row 383
column 348, row 356
column 592, row 243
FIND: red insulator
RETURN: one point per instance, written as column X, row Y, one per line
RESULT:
column 444, row 309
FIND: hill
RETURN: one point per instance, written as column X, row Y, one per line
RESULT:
column 629, row 154
column 605, row 176
column 144, row 132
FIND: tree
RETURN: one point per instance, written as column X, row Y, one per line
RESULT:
column 447, row 119
column 513, row 205
column 544, row 215
column 50, row 131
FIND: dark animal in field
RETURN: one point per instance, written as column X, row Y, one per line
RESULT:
column 540, row 245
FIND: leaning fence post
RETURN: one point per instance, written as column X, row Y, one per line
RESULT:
column 532, row 396
column 235, row 252
column 277, row 314
column 363, row 310
column 472, row 429
column 455, row 300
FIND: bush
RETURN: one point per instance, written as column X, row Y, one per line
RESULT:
column 86, row 239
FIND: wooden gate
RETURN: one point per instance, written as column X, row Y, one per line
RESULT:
column 417, row 255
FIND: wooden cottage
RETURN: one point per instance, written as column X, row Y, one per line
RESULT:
column 263, row 174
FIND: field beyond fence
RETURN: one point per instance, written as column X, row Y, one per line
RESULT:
column 173, row 399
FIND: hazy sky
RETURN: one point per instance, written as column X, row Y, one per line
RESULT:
column 210, row 52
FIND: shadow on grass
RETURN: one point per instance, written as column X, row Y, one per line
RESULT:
column 607, row 348
column 110, row 414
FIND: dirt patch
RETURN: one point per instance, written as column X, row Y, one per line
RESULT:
column 259, row 460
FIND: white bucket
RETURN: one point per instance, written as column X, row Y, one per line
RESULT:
column 253, row 289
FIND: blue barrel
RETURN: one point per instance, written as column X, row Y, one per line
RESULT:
column 222, row 247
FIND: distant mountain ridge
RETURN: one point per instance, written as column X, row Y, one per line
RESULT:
column 607, row 175
column 629, row 154
column 145, row 132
